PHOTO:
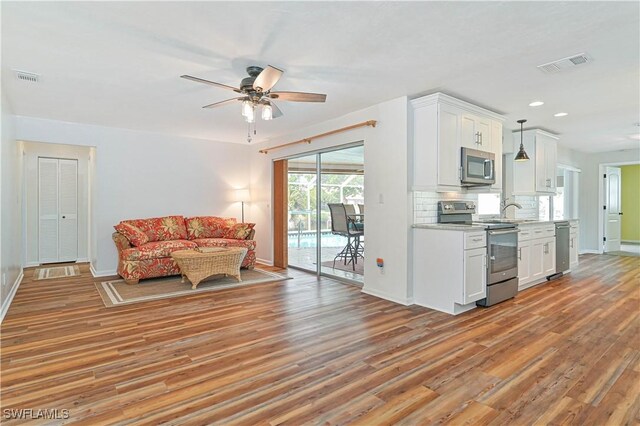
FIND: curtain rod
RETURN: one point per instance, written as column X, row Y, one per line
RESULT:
column 371, row 123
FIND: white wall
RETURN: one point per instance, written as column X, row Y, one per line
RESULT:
column 10, row 210
column 143, row 174
column 32, row 151
column 387, row 198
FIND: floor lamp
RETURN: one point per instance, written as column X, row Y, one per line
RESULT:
column 243, row 195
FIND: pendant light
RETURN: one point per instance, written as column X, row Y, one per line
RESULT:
column 521, row 155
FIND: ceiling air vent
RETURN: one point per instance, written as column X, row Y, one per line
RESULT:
column 27, row 76
column 565, row 63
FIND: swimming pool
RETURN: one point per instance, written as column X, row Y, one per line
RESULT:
column 308, row 239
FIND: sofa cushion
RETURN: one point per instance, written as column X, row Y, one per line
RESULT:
column 156, row 249
column 208, row 226
column 161, row 228
column 225, row 242
column 239, row 231
column 132, row 233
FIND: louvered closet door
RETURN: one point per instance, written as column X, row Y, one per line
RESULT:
column 68, row 210
column 58, row 210
column 48, row 210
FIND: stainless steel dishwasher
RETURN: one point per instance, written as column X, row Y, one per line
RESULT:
column 562, row 247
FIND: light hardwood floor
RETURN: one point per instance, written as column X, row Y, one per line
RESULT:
column 308, row 351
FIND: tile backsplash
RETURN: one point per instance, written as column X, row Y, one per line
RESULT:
column 425, row 204
column 529, row 208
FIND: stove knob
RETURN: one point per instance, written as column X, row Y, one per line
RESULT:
column 448, row 207
column 471, row 206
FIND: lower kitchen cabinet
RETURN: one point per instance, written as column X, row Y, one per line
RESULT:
column 536, row 254
column 573, row 244
column 449, row 268
column 475, row 276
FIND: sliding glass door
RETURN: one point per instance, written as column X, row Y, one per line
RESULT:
column 319, row 241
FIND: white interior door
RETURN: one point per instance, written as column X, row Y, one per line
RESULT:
column 57, row 210
column 68, row 210
column 48, row 210
column 612, row 212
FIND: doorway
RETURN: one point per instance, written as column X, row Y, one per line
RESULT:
column 56, row 203
column 621, row 209
column 315, row 240
column 57, row 210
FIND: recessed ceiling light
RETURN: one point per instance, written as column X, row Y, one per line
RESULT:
column 560, row 114
column 536, row 103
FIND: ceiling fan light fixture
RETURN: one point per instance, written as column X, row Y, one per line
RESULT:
column 267, row 112
column 522, row 154
column 250, row 117
column 247, row 109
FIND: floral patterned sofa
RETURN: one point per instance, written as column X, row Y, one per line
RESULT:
column 145, row 245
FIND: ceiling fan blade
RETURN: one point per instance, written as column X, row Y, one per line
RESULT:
column 228, row 101
column 267, row 79
column 211, row 83
column 298, row 96
column 275, row 111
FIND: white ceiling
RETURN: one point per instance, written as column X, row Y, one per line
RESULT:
column 118, row 64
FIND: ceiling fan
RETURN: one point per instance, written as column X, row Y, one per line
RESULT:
column 255, row 91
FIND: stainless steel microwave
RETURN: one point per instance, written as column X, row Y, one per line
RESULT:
column 478, row 167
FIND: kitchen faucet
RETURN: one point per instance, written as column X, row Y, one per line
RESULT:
column 504, row 208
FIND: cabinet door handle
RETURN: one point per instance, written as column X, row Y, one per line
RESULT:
column 546, row 248
column 481, row 139
column 571, row 243
column 538, row 232
column 478, row 138
column 520, row 253
column 477, row 239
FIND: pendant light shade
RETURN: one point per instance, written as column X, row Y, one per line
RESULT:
column 267, row 112
column 522, row 154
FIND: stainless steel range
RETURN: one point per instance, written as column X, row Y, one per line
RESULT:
column 502, row 249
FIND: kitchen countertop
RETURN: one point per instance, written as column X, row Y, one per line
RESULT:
column 449, row 227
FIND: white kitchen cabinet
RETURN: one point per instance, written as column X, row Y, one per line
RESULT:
column 536, row 253
column 538, row 175
column 449, row 268
column 440, row 126
column 573, row 244
column 549, row 257
column 524, row 263
column 475, row 275
column 475, row 132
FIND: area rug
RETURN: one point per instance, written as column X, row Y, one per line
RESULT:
column 359, row 267
column 56, row 272
column 117, row 292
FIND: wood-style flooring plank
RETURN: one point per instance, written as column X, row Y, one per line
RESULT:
column 317, row 351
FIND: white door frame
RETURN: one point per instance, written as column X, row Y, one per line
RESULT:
column 601, row 198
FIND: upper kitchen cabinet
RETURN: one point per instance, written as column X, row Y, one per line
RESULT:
column 441, row 126
column 537, row 176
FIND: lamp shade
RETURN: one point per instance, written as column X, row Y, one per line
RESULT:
column 242, row 195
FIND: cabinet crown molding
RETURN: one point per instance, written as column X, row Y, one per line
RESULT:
column 537, row 132
column 439, row 97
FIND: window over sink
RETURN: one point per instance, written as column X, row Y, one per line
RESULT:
column 489, row 204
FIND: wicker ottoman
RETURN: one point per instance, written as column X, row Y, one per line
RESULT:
column 199, row 264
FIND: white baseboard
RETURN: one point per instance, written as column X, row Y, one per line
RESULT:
column 83, row 260
column 630, row 242
column 10, row 296
column 106, row 273
column 264, row 261
column 589, row 251
column 386, row 296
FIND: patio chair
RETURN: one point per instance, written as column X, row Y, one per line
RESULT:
column 340, row 225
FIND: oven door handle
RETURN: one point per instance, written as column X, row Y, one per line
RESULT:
column 510, row 231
